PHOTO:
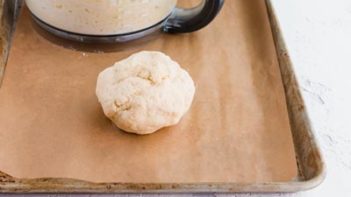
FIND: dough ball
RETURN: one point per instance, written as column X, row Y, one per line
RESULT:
column 145, row 92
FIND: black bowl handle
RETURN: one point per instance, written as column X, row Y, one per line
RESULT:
column 193, row 19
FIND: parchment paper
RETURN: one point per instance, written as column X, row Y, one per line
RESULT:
column 237, row 130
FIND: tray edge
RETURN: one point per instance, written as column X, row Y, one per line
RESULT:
column 310, row 161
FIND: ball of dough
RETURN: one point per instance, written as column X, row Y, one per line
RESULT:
column 145, row 92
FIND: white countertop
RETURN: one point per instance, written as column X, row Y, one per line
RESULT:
column 318, row 36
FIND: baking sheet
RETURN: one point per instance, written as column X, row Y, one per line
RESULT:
column 237, row 130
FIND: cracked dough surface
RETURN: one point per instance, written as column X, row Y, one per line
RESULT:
column 145, row 92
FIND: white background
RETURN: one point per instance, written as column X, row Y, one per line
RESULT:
column 318, row 36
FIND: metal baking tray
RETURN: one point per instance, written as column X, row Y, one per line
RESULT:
column 309, row 160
